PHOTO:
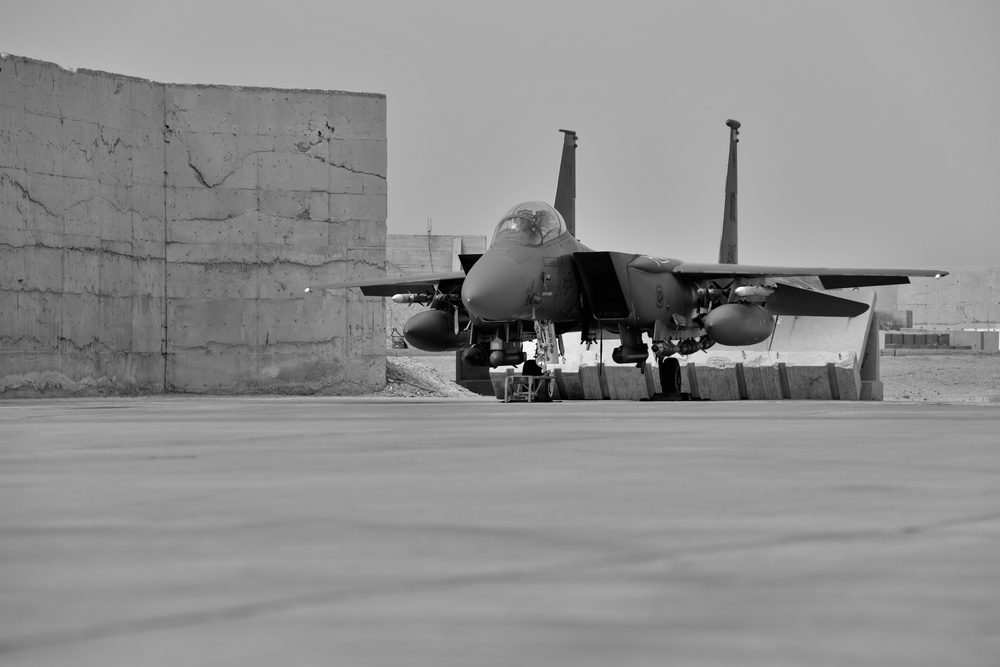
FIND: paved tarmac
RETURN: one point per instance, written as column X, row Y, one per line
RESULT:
column 319, row 531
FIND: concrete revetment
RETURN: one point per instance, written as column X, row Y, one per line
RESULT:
column 157, row 237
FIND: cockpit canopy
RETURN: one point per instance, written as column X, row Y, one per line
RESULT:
column 531, row 223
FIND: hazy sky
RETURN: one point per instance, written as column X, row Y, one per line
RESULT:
column 870, row 129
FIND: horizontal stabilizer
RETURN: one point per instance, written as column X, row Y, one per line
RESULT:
column 788, row 300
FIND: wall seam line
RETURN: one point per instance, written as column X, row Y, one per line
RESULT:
column 163, row 124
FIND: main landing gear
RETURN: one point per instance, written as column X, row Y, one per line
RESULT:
column 669, row 367
column 670, row 375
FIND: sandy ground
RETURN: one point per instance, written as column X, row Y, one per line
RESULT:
column 429, row 377
column 958, row 378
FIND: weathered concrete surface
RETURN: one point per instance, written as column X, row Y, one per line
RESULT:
column 268, row 191
column 81, row 231
column 968, row 295
column 569, row 385
column 293, row 531
column 987, row 341
column 771, row 376
column 157, row 237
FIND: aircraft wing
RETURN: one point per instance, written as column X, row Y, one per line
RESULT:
column 829, row 278
column 422, row 284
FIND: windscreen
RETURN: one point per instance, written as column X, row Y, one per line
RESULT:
column 530, row 223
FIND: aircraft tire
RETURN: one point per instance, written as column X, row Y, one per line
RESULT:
column 670, row 376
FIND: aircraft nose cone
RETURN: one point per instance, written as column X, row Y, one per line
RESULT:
column 495, row 288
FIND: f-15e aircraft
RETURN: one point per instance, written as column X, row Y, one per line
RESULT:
column 537, row 281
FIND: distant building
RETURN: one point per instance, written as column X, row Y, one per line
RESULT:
column 157, row 237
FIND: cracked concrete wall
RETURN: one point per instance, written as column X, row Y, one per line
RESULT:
column 268, row 191
column 968, row 295
column 81, row 231
column 157, row 237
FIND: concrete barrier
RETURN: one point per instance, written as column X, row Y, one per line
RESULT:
column 497, row 378
column 594, row 382
column 987, row 341
column 762, row 381
column 716, row 377
column 626, row 383
column 569, row 385
column 950, row 340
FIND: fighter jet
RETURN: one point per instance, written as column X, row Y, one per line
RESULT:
column 537, row 282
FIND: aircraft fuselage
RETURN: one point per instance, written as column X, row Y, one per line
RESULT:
column 545, row 283
column 537, row 281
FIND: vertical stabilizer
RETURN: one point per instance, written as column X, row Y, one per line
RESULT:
column 566, row 187
column 728, row 247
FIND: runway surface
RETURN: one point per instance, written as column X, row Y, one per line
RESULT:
column 323, row 531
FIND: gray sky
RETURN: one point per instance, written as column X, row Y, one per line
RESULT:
column 869, row 128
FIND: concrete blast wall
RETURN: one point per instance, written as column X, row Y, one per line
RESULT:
column 157, row 237
column 969, row 295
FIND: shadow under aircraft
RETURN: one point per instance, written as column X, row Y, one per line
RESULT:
column 537, row 282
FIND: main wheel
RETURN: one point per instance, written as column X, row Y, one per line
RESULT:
column 670, row 376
